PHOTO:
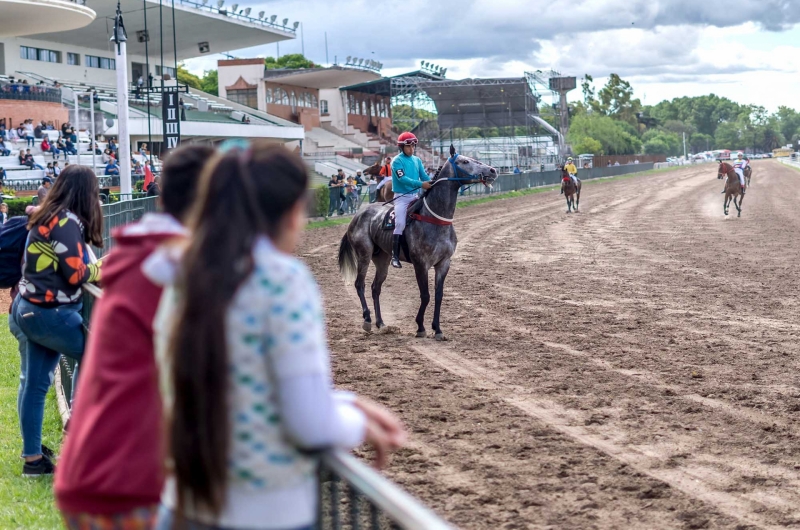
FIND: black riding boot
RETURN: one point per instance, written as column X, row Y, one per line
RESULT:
column 396, row 251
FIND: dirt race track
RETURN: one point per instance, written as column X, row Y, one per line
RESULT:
column 631, row 366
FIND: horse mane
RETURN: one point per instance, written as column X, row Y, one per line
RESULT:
column 438, row 170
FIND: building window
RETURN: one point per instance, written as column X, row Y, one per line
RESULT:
column 353, row 108
column 363, row 108
column 307, row 100
column 247, row 96
column 293, row 101
column 39, row 54
column 323, row 106
column 74, row 59
column 314, row 101
column 168, row 70
column 101, row 62
column 372, row 108
column 269, row 95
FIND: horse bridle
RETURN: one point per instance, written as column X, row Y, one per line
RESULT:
column 456, row 170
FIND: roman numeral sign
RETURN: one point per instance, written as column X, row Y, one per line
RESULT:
column 170, row 116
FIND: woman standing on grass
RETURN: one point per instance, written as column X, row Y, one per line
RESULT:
column 244, row 361
column 48, row 310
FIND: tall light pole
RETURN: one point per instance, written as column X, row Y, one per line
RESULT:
column 120, row 38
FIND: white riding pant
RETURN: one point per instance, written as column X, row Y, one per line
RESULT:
column 400, row 212
column 575, row 180
column 740, row 172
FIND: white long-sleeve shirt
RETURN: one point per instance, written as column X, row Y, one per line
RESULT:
column 280, row 401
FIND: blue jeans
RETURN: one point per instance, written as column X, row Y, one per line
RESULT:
column 49, row 331
column 166, row 520
column 22, row 340
column 30, row 140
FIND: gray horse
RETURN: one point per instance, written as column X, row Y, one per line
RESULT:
column 429, row 239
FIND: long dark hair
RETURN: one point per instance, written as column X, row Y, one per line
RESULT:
column 243, row 194
column 75, row 190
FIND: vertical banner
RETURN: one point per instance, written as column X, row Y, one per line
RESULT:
column 170, row 116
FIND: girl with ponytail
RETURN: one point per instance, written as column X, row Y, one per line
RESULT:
column 243, row 357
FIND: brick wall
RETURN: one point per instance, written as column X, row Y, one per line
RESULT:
column 15, row 112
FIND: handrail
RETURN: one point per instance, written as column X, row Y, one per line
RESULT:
column 398, row 505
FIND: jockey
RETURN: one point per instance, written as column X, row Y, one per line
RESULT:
column 408, row 176
column 739, row 165
column 573, row 172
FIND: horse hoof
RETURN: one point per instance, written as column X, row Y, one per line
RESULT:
column 386, row 330
column 421, row 334
column 367, row 326
column 440, row 337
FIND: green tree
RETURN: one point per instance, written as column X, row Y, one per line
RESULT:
column 587, row 145
column 616, row 98
column 290, row 61
column 614, row 136
column 210, row 82
column 187, row 78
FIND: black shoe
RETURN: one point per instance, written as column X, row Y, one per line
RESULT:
column 49, row 453
column 396, row 252
column 43, row 466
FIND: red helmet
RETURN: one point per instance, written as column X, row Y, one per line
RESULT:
column 407, row 138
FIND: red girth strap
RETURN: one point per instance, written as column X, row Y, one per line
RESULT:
column 431, row 220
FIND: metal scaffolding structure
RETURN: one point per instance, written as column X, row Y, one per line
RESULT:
column 506, row 122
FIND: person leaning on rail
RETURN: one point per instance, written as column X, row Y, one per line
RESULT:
column 111, row 471
column 243, row 357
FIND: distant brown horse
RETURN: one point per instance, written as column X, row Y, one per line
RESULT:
column 571, row 191
column 733, row 187
column 385, row 193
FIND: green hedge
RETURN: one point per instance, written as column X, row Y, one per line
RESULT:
column 320, row 201
column 17, row 206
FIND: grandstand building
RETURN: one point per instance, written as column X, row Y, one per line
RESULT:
column 55, row 53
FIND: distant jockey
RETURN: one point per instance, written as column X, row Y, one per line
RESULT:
column 739, row 166
column 573, row 172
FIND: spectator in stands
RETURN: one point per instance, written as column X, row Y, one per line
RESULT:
column 3, row 134
column 97, row 149
column 609, row 164
column 12, row 134
column 3, row 213
column 112, row 146
column 616, row 163
column 139, row 85
column 27, row 160
column 254, row 445
column 4, row 151
column 516, row 170
column 69, row 147
column 2, row 175
column 44, row 189
column 37, row 131
column 29, row 137
column 143, row 150
column 50, row 126
column 352, row 195
column 56, row 169
column 106, row 156
column 64, row 128
column 48, row 311
column 112, row 168
column 93, row 486
column 49, row 170
column 47, row 147
column 137, row 168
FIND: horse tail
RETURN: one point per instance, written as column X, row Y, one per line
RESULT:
column 347, row 260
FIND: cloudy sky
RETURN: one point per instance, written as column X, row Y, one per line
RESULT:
column 747, row 50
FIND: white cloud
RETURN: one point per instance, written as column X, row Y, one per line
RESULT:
column 668, row 43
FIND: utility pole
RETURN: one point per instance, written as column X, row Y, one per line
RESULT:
column 684, row 146
column 124, row 148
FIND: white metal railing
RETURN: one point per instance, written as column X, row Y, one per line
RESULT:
column 789, row 162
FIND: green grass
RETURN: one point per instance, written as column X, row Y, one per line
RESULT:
column 329, row 222
column 24, row 502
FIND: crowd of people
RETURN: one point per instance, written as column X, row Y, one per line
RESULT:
column 207, row 415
